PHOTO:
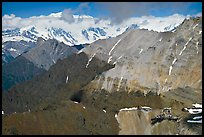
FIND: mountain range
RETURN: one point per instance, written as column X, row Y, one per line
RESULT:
column 106, row 85
column 21, row 34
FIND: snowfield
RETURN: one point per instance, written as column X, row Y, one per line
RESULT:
column 84, row 28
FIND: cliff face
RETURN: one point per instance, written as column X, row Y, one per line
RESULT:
column 159, row 61
column 139, row 122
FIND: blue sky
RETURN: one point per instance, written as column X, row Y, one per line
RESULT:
column 27, row 9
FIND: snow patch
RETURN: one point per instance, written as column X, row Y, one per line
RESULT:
column 175, row 59
column 170, row 69
column 197, row 105
column 182, row 50
column 120, row 57
column 12, row 49
column 2, row 112
column 109, row 59
column 200, row 32
column 90, row 60
column 198, row 117
column 168, row 108
column 67, row 78
column 140, row 51
column 76, row 102
column 117, row 60
column 84, row 107
column 194, row 111
column 128, row 109
column 80, row 51
column 53, row 61
column 104, row 110
column 165, row 80
column 197, row 109
column 185, row 46
column 160, row 39
column 114, row 47
column 195, row 26
column 188, row 41
column 146, row 108
column 192, row 121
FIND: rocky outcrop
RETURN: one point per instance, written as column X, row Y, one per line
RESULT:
column 48, row 52
column 138, row 122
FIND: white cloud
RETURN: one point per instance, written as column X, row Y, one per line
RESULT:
column 67, row 15
column 64, row 21
column 10, row 21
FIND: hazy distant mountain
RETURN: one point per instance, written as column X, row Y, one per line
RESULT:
column 34, row 62
column 12, row 49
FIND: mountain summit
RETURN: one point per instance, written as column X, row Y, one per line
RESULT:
column 83, row 29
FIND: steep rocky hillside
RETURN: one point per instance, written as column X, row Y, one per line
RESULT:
column 34, row 62
column 17, row 71
column 62, row 78
column 6, row 57
column 141, row 82
column 48, row 52
column 159, row 61
column 15, row 48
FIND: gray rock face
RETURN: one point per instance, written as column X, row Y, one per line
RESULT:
column 157, row 61
column 17, row 71
column 138, row 122
column 34, row 62
column 15, row 48
column 48, row 52
column 6, row 56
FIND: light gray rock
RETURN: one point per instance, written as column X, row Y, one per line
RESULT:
column 160, row 61
column 48, row 52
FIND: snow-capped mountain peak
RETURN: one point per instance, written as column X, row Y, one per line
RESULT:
column 83, row 29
